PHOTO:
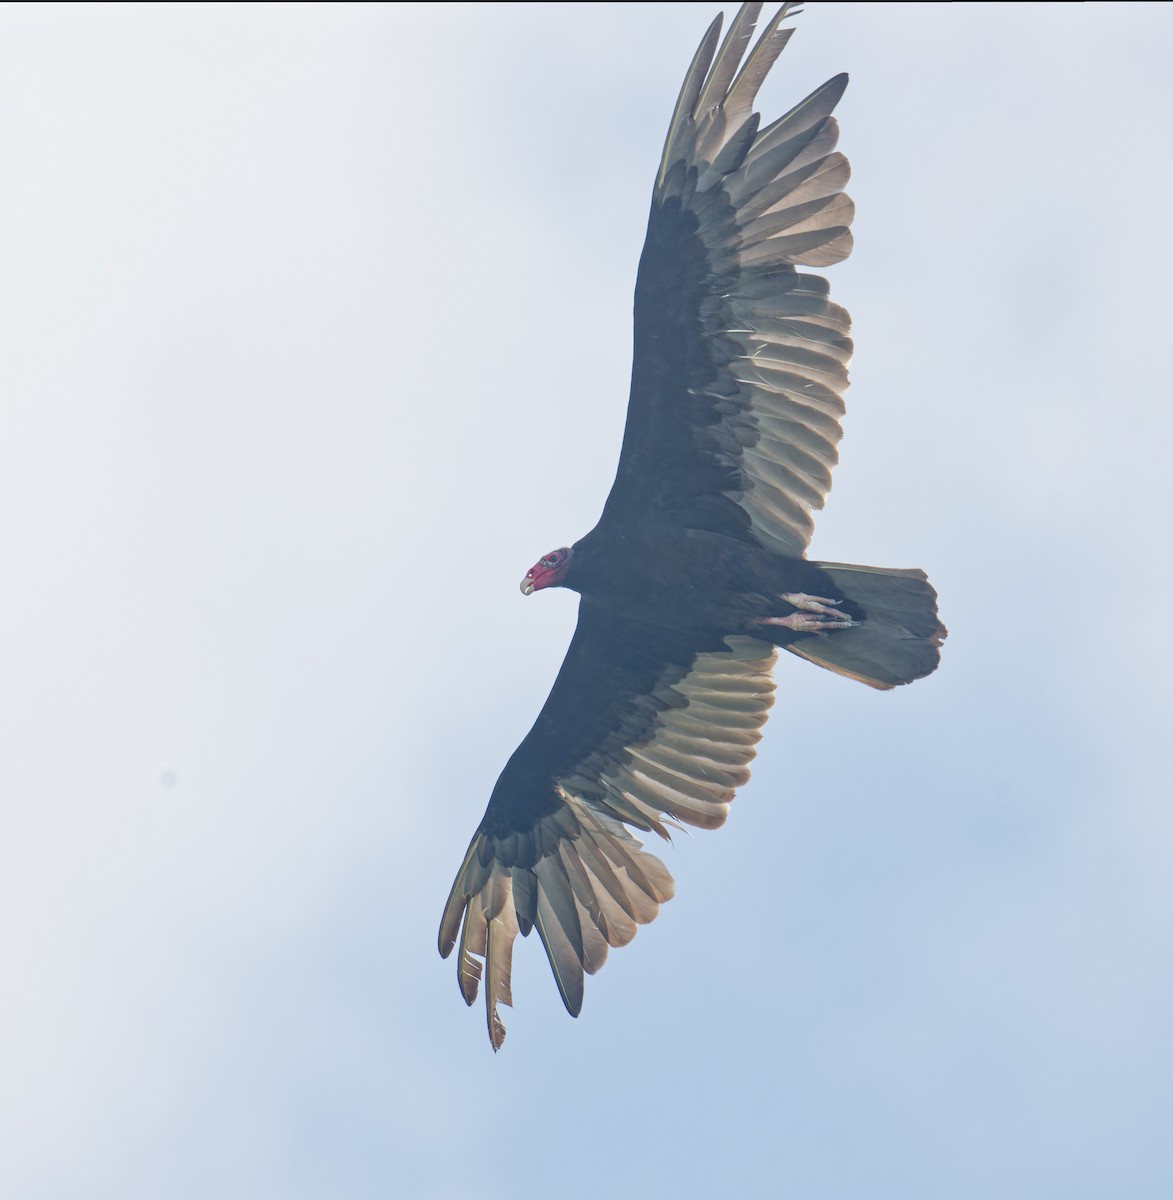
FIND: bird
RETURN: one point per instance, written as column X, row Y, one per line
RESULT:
column 696, row 573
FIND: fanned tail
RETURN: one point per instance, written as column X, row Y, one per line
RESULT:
column 900, row 637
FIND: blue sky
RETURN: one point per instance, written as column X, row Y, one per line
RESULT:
column 317, row 334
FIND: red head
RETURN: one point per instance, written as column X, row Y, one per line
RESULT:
column 548, row 571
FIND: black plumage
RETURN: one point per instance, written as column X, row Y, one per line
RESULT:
column 696, row 570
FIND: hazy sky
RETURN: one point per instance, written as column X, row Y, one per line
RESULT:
column 315, row 334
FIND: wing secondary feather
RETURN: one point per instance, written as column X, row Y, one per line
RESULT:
column 641, row 729
column 740, row 358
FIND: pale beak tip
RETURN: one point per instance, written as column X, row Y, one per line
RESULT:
column 527, row 586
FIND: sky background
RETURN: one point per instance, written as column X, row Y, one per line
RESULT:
column 315, row 335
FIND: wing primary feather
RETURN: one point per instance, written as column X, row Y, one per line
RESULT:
column 554, row 889
column 616, row 844
column 457, row 903
column 728, row 57
column 794, row 155
column 744, row 412
column 565, row 958
column 811, row 109
column 472, row 941
column 500, row 934
column 772, row 42
column 689, row 91
column 601, row 870
column 634, row 900
column 734, row 151
column 591, row 918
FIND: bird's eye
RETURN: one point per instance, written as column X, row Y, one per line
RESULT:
column 551, row 560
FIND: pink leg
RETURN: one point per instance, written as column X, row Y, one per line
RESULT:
column 816, row 614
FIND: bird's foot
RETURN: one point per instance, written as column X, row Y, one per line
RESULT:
column 816, row 614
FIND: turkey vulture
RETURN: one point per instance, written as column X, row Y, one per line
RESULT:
column 696, row 571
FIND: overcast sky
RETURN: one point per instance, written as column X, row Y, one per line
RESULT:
column 314, row 334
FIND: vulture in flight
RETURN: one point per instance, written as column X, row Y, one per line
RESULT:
column 696, row 572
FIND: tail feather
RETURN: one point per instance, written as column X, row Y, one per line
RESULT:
column 900, row 637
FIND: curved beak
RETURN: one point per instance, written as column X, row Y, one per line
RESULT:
column 527, row 585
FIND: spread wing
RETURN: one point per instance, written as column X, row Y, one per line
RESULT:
column 640, row 725
column 740, row 359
